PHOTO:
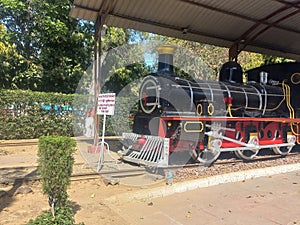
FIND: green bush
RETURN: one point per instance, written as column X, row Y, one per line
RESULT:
column 55, row 165
column 122, row 120
column 64, row 216
column 28, row 114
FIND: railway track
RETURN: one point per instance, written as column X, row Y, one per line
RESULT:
column 225, row 164
column 29, row 173
column 181, row 172
column 18, row 143
column 30, row 142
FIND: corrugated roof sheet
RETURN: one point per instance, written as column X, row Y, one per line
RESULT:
column 266, row 26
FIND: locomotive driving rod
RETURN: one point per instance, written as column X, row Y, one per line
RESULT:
column 220, row 136
column 247, row 146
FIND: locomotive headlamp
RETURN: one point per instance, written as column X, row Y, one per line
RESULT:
column 169, row 124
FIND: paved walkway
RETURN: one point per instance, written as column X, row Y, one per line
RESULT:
column 269, row 200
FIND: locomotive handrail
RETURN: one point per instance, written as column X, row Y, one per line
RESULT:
column 260, row 97
column 229, row 96
column 287, row 93
column 246, row 98
column 224, row 118
column 266, row 96
column 191, row 92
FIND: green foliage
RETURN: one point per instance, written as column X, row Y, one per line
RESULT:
column 209, row 56
column 28, row 114
column 122, row 120
column 55, row 49
column 55, row 165
column 114, row 37
column 55, row 159
column 64, row 216
column 124, row 76
column 214, row 57
column 272, row 59
column 250, row 60
column 9, row 58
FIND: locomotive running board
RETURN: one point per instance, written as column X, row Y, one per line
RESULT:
column 154, row 152
column 248, row 146
column 258, row 147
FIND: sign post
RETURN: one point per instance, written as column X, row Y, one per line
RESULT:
column 106, row 106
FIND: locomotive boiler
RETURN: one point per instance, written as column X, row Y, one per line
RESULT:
column 204, row 118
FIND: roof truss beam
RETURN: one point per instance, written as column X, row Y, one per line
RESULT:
column 237, row 14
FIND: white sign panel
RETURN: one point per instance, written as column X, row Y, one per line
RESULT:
column 106, row 104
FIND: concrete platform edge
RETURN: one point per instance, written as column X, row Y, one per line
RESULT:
column 150, row 193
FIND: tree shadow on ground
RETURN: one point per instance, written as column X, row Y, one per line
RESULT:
column 76, row 207
column 6, row 197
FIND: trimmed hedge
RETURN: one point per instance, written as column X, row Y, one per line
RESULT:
column 28, row 114
column 55, row 159
column 55, row 168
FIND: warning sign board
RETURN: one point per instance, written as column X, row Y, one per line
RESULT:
column 106, row 104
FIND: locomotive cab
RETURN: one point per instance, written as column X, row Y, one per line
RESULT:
column 231, row 72
column 280, row 74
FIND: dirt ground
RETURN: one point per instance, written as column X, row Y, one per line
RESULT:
column 87, row 197
column 93, row 202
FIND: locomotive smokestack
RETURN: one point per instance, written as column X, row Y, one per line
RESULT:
column 165, row 58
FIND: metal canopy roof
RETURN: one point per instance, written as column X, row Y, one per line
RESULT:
column 265, row 26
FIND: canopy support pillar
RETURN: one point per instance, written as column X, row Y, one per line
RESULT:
column 96, row 75
column 102, row 16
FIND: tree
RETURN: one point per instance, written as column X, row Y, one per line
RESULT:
column 114, row 37
column 124, row 62
column 9, row 59
column 214, row 56
column 125, row 75
column 55, row 48
column 272, row 59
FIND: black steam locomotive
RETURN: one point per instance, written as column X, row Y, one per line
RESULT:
column 205, row 118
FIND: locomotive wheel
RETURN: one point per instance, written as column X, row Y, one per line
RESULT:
column 248, row 154
column 282, row 150
column 208, row 156
column 287, row 149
